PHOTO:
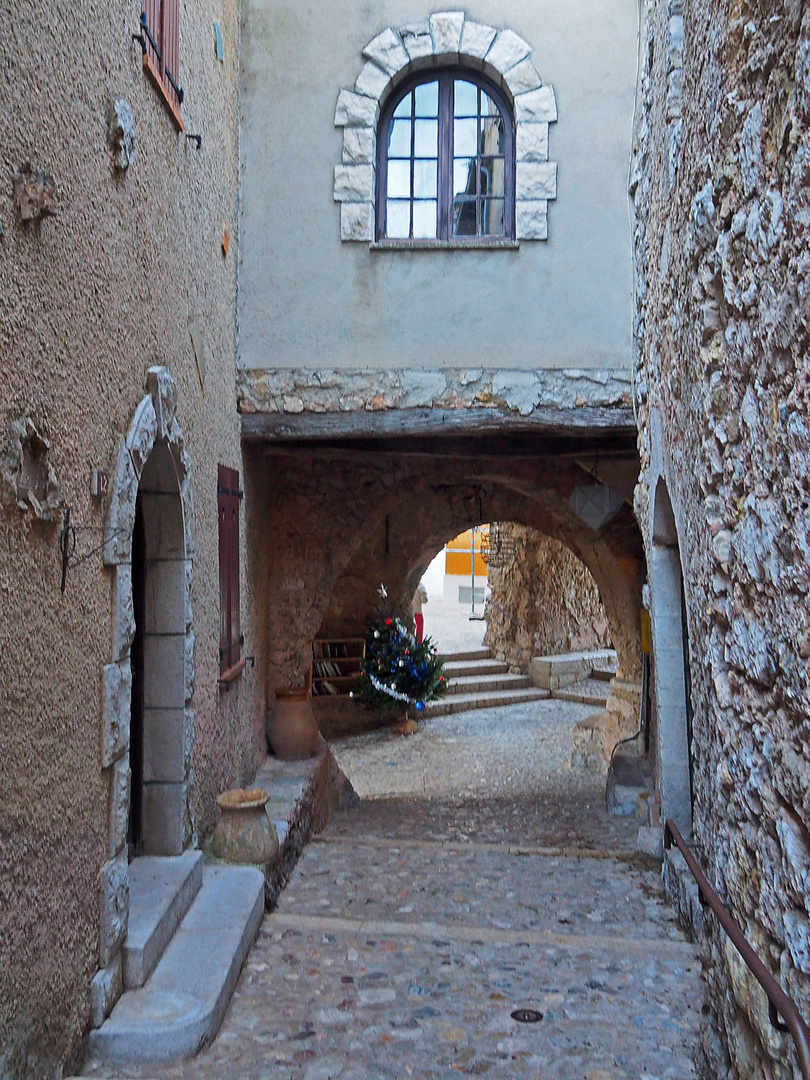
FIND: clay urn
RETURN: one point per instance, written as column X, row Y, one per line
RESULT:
column 244, row 833
column 291, row 728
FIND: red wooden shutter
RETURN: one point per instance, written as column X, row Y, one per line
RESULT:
column 233, row 575
column 152, row 10
column 170, row 47
column 223, row 507
column 162, row 45
column 228, row 497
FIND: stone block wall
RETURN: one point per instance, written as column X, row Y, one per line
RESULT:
column 544, row 601
column 722, row 234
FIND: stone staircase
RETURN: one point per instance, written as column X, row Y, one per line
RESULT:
column 477, row 681
column 192, row 921
column 190, row 929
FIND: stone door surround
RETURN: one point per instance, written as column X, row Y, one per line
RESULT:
column 446, row 37
column 154, row 423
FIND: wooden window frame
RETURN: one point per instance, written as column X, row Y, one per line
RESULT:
column 229, row 497
column 160, row 41
column 444, row 231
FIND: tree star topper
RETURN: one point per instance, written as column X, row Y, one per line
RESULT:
column 383, row 591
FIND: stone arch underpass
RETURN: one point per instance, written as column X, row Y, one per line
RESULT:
column 338, row 521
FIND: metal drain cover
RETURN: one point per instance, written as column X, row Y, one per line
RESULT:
column 527, row 1016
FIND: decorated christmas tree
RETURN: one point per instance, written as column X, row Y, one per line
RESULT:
column 397, row 667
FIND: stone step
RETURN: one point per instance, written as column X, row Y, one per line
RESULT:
column 161, row 890
column 181, row 1006
column 584, row 695
column 460, row 668
column 472, row 654
column 463, row 702
column 483, row 684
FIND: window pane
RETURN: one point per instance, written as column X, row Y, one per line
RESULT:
column 492, row 176
column 493, row 137
column 426, row 138
column 465, row 99
column 399, row 219
column 427, row 99
column 399, row 179
column 424, row 219
column 492, row 217
column 464, row 217
column 424, row 180
column 464, row 176
column 465, row 137
column 404, row 107
column 399, row 139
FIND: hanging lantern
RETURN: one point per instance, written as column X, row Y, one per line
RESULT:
column 499, row 546
column 596, row 504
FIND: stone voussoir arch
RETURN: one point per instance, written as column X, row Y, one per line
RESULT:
column 154, row 422
column 446, row 37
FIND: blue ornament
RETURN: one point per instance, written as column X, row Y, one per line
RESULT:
column 420, row 706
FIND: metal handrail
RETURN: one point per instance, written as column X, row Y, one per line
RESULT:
column 779, row 1003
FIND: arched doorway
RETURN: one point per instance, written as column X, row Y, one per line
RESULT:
column 157, row 803
column 149, row 533
column 671, row 680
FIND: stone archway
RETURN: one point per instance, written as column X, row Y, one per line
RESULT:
column 152, row 460
column 670, row 664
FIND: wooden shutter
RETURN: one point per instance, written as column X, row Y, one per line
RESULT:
column 233, row 570
column 162, row 48
column 153, row 16
column 228, row 497
column 170, row 48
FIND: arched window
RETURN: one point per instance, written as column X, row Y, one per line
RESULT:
column 446, row 160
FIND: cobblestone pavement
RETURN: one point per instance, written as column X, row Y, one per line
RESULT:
column 418, row 922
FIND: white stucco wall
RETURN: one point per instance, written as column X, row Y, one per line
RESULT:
column 308, row 300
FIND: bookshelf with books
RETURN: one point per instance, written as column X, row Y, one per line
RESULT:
column 336, row 664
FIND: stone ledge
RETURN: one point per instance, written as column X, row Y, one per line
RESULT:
column 553, row 672
column 299, row 390
column 303, row 797
column 445, row 245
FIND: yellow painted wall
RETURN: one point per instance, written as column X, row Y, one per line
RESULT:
column 457, row 555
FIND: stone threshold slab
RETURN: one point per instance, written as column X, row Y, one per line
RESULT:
column 181, row 1007
column 430, row 931
column 161, row 890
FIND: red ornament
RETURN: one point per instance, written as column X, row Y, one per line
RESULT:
column 387, row 622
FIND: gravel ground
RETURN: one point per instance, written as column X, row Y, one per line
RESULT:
column 487, row 773
column 479, row 876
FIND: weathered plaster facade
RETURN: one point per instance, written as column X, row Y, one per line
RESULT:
column 722, row 323
column 110, row 252
column 307, row 300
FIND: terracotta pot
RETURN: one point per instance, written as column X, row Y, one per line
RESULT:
column 244, row 833
column 291, row 729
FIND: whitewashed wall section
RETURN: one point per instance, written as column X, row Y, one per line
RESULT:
column 446, row 36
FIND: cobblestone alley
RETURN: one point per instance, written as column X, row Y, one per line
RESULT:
column 479, row 876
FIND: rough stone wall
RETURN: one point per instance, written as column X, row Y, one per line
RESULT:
column 544, row 601
column 305, row 390
column 721, row 182
column 91, row 296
